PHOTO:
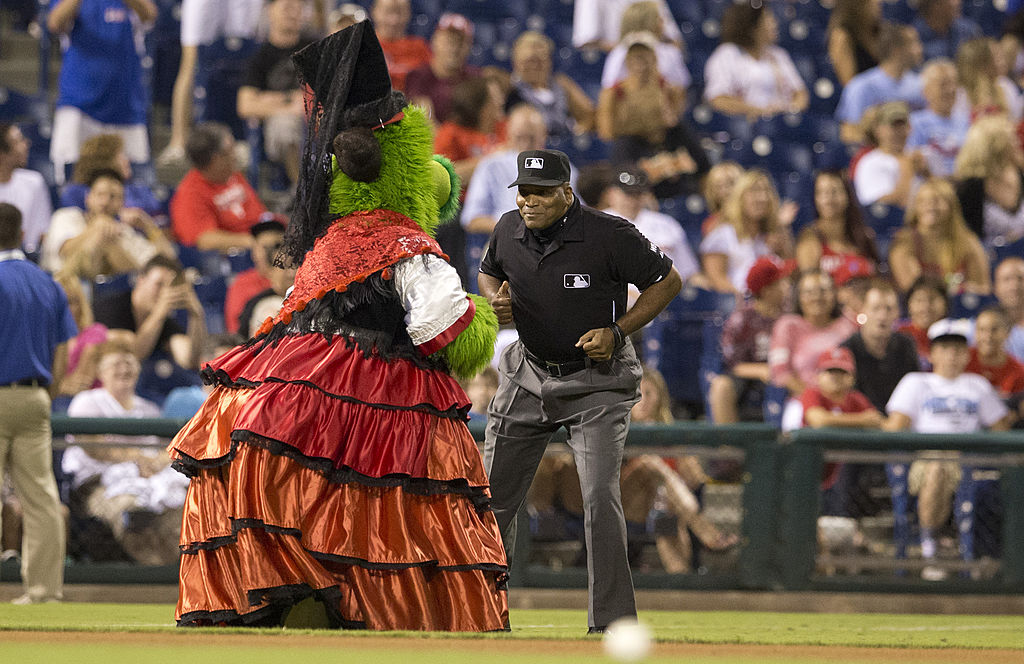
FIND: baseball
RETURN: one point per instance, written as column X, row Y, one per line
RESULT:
column 627, row 640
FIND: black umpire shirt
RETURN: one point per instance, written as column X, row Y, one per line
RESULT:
column 573, row 279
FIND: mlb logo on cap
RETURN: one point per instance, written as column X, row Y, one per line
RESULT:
column 542, row 168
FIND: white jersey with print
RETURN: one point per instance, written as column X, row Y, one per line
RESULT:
column 934, row 404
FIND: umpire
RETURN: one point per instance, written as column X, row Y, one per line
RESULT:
column 34, row 325
column 559, row 271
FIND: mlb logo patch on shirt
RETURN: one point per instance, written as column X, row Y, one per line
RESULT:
column 533, row 162
column 577, row 281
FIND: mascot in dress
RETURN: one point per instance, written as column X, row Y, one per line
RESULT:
column 332, row 472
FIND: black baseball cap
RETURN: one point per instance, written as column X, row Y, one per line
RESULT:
column 268, row 222
column 542, row 168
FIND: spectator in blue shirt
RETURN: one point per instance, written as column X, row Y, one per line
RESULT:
column 940, row 129
column 942, row 27
column 899, row 52
column 33, row 329
column 100, row 87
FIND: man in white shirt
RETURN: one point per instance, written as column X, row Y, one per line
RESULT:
column 627, row 198
column 23, row 188
column 946, row 400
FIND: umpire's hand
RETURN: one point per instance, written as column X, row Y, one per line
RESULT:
column 598, row 344
column 502, row 304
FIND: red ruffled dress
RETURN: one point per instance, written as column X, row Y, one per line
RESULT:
column 332, row 459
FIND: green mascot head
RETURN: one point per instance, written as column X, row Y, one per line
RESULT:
column 366, row 149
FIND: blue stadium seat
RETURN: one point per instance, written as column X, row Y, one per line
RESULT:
column 584, row 66
column 219, row 71
column 673, row 342
column 163, row 44
column 581, row 150
column 771, row 155
column 690, row 211
column 486, row 10
column 1003, row 250
column 798, row 186
column 719, row 126
column 19, row 107
column 885, row 220
column 968, row 305
column 986, row 14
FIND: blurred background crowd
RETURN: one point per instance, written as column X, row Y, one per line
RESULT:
column 824, row 174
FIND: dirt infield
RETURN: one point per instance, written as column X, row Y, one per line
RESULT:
column 570, row 651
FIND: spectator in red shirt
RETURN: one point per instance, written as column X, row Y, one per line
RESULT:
column 471, row 129
column 746, row 339
column 431, row 85
column 267, row 238
column 214, row 206
column 833, row 402
column 989, row 358
column 402, row 51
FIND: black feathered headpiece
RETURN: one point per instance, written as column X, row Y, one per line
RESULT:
column 348, row 77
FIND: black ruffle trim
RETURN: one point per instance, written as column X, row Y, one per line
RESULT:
column 220, row 377
column 421, row 486
column 261, row 595
column 280, row 600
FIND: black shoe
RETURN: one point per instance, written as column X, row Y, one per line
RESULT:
column 596, row 630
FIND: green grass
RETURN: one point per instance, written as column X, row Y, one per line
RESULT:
column 870, row 630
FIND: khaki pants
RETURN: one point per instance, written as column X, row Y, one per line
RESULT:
column 26, row 452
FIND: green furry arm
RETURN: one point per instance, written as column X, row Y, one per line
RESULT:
column 471, row 351
column 448, row 203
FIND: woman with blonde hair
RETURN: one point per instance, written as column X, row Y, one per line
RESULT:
column 935, row 241
column 750, row 226
column 990, row 181
column 978, row 74
column 101, row 153
column 644, row 16
column 715, row 188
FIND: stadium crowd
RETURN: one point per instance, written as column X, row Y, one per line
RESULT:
column 836, row 181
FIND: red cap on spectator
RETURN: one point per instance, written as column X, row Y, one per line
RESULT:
column 837, row 358
column 851, row 268
column 766, row 271
column 457, row 22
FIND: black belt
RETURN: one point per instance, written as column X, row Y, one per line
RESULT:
column 28, row 382
column 558, row 368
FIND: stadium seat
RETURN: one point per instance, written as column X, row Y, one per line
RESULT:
column 219, row 72
column 673, row 342
column 690, row 211
column 163, row 44
column 584, row 66
column 885, row 220
column 968, row 305
column 719, row 126
column 1003, row 250
column 19, row 107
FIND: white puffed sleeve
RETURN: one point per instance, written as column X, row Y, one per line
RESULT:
column 437, row 309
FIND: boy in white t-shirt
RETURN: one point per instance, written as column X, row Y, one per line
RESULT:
column 946, row 400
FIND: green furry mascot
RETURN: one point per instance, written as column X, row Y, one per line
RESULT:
column 332, row 469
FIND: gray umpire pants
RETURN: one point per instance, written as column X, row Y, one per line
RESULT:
column 593, row 404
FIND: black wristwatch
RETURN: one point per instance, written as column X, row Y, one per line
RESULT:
column 620, row 336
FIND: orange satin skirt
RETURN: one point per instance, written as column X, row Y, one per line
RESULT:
column 300, row 488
